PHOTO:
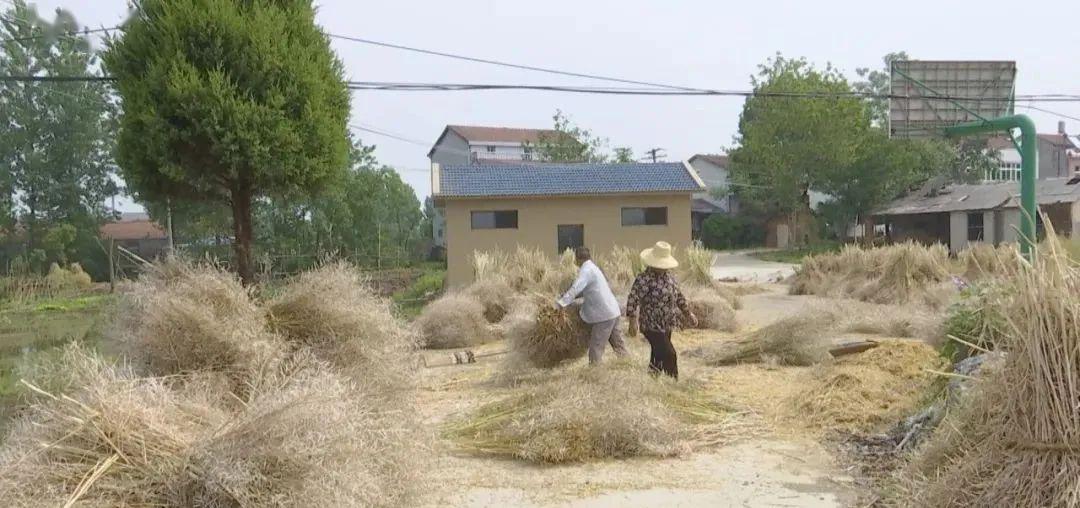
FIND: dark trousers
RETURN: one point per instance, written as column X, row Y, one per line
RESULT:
column 663, row 357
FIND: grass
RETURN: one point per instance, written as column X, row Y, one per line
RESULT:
column 796, row 255
column 411, row 300
column 31, row 329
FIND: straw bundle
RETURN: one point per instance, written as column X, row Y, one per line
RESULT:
column 895, row 274
column 801, row 339
column 695, row 265
column 195, row 317
column 526, row 268
column 981, row 260
column 454, row 320
column 332, row 311
column 495, row 294
column 1024, row 451
column 712, row 309
column 612, row 411
column 541, row 336
column 487, row 264
column 559, row 277
column 621, row 266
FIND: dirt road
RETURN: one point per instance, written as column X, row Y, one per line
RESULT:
column 740, row 266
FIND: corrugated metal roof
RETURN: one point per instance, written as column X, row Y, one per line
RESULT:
column 986, row 196
column 565, row 179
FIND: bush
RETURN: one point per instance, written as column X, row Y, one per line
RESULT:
column 976, row 319
column 721, row 231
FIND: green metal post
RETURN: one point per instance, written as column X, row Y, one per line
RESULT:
column 1029, row 162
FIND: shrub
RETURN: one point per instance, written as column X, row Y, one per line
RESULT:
column 721, row 231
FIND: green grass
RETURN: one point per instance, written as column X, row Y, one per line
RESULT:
column 411, row 300
column 30, row 329
column 796, row 255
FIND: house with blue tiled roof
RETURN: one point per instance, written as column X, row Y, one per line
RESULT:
column 558, row 206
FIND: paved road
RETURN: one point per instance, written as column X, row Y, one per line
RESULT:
column 745, row 268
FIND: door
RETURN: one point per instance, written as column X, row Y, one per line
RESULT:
column 571, row 236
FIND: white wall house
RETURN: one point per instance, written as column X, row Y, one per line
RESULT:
column 473, row 144
column 1056, row 153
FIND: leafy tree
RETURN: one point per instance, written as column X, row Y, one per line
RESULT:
column 571, row 143
column 228, row 101
column 876, row 82
column 786, row 145
column 55, row 138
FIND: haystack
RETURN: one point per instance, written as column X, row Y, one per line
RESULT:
column 495, row 294
column 616, row 410
column 333, row 312
column 621, row 266
column 712, row 309
column 1022, row 435
column 454, row 320
column 541, row 336
column 122, row 440
column 865, row 391
column 560, row 276
column 526, row 267
column 184, row 317
column 695, row 265
column 895, row 274
column 802, row 339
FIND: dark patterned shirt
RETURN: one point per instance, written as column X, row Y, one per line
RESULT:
column 656, row 295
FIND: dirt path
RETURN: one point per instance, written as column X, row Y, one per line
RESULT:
column 773, row 469
column 740, row 266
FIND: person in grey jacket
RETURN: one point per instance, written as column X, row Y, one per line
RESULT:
column 600, row 310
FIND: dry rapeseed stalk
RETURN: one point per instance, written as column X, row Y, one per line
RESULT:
column 541, row 336
column 183, row 318
column 616, row 410
column 332, row 311
column 1022, row 426
column 712, row 309
column 801, row 339
column 695, row 265
column 495, row 294
column 454, row 320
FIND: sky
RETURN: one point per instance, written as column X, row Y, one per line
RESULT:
column 707, row 44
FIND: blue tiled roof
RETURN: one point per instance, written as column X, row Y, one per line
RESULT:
column 564, row 179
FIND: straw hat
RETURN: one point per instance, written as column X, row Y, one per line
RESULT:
column 659, row 256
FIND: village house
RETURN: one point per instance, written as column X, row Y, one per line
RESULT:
column 138, row 234
column 958, row 215
column 1057, row 157
column 557, row 206
column 712, row 169
column 474, row 145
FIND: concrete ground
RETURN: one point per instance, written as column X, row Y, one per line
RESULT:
column 740, row 266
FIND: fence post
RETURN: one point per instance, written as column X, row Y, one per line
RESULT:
column 112, row 265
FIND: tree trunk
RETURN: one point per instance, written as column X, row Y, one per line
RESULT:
column 241, row 209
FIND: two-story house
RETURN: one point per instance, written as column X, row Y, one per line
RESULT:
column 1057, row 156
column 473, row 144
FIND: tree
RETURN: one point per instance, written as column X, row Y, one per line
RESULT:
column 55, row 138
column 228, row 101
column 787, row 145
column 876, row 82
column 571, row 143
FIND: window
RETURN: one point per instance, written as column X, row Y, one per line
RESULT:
column 975, row 226
column 571, row 236
column 495, row 219
column 491, row 148
column 651, row 216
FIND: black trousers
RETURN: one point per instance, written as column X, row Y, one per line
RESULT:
column 663, row 357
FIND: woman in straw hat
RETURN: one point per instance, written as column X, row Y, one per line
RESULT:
column 655, row 305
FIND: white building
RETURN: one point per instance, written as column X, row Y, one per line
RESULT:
column 1057, row 154
column 474, row 144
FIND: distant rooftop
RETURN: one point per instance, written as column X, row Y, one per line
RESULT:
column 986, row 196
column 719, row 160
column 492, row 180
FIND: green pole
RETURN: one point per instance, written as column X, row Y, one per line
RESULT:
column 1029, row 161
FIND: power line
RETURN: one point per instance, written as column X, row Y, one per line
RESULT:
column 1055, row 113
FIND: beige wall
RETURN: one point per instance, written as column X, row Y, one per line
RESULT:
column 538, row 219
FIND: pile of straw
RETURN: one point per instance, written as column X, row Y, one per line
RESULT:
column 1022, row 424
column 72, row 277
column 712, row 309
column 180, row 318
column 895, row 274
column 526, row 268
column 802, row 339
column 494, row 294
column 541, row 336
column 621, row 266
column 695, row 265
column 455, row 320
column 197, row 425
column 616, row 410
column 333, row 311
column 865, row 391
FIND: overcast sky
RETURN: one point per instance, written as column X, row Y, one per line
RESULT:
column 708, row 44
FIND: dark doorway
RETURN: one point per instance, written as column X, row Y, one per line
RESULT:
column 571, row 236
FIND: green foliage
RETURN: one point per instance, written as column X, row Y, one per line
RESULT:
column 976, row 318
column 721, row 231
column 55, row 138
column 876, row 82
column 571, row 143
column 786, row 144
column 228, row 101
column 412, row 299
